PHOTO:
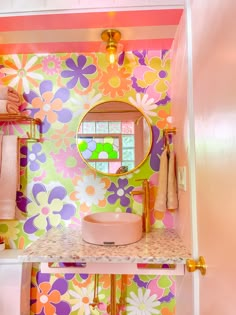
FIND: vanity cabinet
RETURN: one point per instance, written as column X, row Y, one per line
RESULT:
column 160, row 252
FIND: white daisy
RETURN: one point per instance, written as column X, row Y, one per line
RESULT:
column 82, row 298
column 145, row 104
column 90, row 190
column 22, row 72
column 85, row 102
column 143, row 303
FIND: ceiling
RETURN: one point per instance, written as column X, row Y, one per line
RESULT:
column 71, row 32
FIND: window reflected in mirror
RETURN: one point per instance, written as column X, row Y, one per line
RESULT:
column 112, row 137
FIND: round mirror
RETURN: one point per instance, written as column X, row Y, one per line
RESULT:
column 114, row 138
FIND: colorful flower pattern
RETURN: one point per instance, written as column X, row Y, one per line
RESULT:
column 57, row 188
column 152, row 76
column 63, row 136
column 90, row 190
column 143, row 303
column 79, row 72
column 32, row 157
column 47, row 208
column 82, row 298
column 120, row 192
column 146, row 104
column 115, row 81
column 20, row 72
column 49, row 106
column 68, row 162
column 51, row 65
column 47, row 298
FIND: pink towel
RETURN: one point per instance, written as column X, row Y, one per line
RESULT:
column 172, row 199
column 14, row 98
column 167, row 187
column 9, row 177
column 9, row 100
column 3, row 106
column 160, row 202
column 1, row 136
column 12, row 108
column 3, row 92
column 7, row 107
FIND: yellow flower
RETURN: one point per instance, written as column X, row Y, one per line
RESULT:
column 9, row 229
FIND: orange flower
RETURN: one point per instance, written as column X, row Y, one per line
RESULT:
column 105, row 280
column 82, row 284
column 165, row 119
column 44, row 299
column 63, row 136
column 166, row 311
column 47, row 106
column 115, row 81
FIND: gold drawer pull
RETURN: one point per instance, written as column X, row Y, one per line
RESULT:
column 193, row 265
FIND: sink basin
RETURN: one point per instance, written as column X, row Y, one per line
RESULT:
column 112, row 228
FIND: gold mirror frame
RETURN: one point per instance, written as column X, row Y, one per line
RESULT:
column 115, row 107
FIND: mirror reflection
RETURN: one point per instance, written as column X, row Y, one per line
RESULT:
column 114, row 138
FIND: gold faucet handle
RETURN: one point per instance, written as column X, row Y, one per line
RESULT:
column 141, row 179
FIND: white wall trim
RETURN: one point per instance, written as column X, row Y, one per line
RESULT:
column 33, row 7
column 192, row 158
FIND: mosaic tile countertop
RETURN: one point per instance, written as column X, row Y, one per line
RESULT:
column 67, row 245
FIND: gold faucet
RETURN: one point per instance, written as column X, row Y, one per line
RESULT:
column 146, row 203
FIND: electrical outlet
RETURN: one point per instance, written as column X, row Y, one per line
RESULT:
column 181, row 178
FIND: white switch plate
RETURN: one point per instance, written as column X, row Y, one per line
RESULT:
column 181, row 177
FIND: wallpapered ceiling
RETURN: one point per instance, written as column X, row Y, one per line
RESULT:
column 57, row 188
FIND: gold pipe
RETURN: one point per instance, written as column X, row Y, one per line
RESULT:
column 96, row 282
column 113, row 294
column 95, row 292
column 122, row 294
column 146, row 203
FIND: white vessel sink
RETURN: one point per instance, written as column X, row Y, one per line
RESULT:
column 111, row 228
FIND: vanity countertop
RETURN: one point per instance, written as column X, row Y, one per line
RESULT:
column 162, row 246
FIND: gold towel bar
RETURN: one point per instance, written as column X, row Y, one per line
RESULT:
column 23, row 119
column 166, row 133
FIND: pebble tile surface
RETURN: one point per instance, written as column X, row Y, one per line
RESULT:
column 66, row 245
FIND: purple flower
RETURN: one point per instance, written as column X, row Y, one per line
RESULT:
column 157, row 148
column 78, row 72
column 46, row 298
column 32, row 157
column 120, row 192
column 140, row 283
column 21, row 201
column 141, row 56
column 164, row 100
column 48, row 208
column 136, row 86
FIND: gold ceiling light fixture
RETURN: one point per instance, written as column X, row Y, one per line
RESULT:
column 111, row 37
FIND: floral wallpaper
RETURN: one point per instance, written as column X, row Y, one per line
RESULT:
column 58, row 189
